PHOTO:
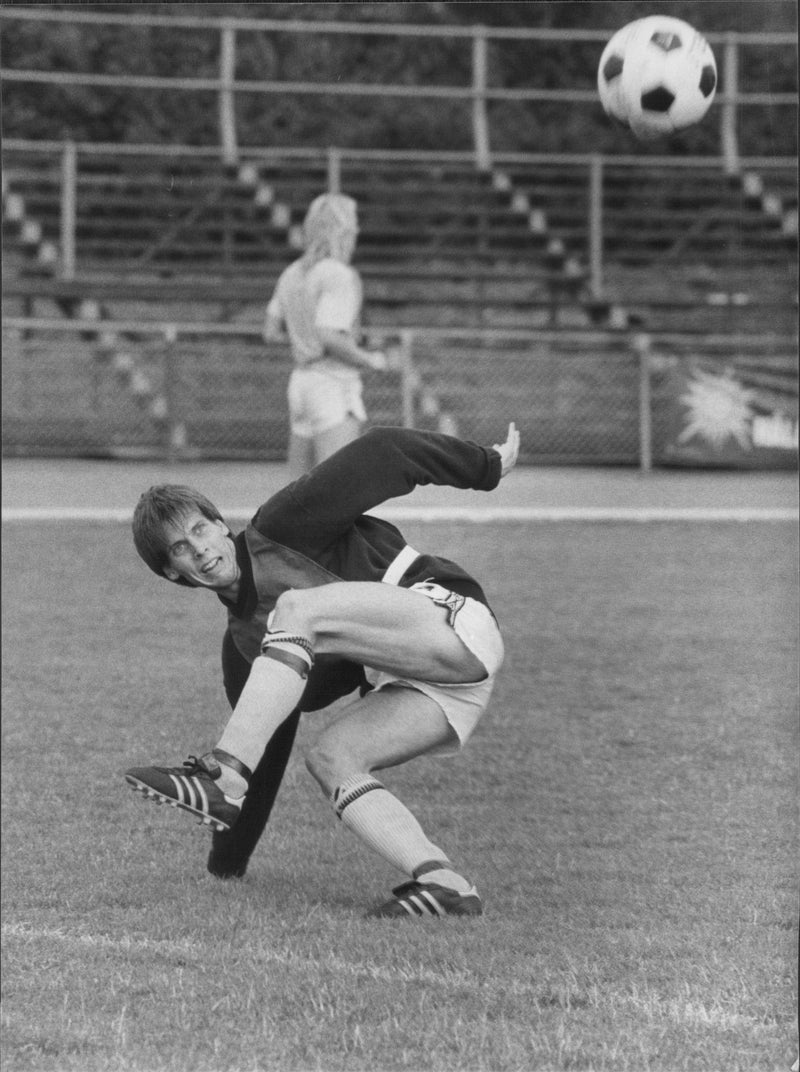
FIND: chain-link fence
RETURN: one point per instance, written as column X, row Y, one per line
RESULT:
column 217, row 391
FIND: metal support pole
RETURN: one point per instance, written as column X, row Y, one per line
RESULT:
column 728, row 134
column 227, row 104
column 69, row 198
column 334, row 171
column 480, row 118
column 174, row 428
column 596, row 225
column 409, row 378
column 641, row 346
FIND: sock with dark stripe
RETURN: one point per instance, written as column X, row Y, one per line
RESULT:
column 385, row 824
column 273, row 690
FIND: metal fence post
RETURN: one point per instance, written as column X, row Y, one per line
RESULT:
column 334, row 171
column 69, row 196
column 480, row 119
column 174, row 429
column 227, row 104
column 641, row 347
column 728, row 134
column 409, row 378
column 596, row 225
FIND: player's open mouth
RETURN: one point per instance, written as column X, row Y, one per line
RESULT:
column 211, row 565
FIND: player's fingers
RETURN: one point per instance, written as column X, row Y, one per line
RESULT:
column 512, row 441
column 509, row 437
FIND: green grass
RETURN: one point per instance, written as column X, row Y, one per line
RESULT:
column 627, row 808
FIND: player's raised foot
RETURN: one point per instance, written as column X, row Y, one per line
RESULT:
column 191, row 787
column 423, row 900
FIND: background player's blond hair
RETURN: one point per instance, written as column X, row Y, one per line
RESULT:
column 329, row 227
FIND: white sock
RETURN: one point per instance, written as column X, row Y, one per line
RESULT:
column 385, row 824
column 271, row 693
column 232, row 784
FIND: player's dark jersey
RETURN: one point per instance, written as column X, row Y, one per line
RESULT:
column 316, row 530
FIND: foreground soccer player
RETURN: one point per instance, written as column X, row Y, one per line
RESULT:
column 313, row 578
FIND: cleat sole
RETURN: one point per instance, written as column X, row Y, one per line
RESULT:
column 158, row 798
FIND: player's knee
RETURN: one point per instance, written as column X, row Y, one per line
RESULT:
column 294, row 612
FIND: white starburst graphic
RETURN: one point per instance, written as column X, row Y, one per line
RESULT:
column 719, row 409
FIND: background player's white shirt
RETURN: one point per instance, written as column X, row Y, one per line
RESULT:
column 327, row 295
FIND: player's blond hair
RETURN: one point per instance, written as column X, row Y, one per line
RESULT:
column 329, row 218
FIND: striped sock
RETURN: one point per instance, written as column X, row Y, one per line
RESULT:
column 385, row 824
column 272, row 691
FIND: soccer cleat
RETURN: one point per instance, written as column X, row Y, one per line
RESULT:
column 419, row 900
column 191, row 788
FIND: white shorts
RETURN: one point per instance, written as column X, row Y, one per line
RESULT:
column 462, row 704
column 321, row 399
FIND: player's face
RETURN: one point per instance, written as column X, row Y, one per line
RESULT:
column 202, row 553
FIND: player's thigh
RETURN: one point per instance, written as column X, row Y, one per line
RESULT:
column 333, row 439
column 381, row 626
column 384, row 729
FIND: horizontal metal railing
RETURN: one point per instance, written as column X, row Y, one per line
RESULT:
column 483, row 89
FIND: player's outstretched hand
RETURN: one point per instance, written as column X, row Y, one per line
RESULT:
column 509, row 451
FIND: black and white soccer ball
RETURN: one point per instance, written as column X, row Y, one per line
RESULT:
column 657, row 75
column 609, row 74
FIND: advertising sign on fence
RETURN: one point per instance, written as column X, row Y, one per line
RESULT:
column 740, row 416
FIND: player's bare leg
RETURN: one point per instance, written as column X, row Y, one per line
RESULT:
column 388, row 628
column 382, row 730
column 381, row 626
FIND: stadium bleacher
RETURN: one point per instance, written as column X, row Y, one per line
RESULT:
column 441, row 245
column 438, row 244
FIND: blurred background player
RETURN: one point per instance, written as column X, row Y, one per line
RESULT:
column 317, row 303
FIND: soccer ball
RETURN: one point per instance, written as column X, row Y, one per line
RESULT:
column 658, row 75
column 609, row 74
column 669, row 77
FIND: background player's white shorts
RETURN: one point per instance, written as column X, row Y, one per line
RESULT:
column 464, row 704
column 320, row 399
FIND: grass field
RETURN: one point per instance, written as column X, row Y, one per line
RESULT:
column 628, row 809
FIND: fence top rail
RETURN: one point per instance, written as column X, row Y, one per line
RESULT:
column 345, row 89
column 172, row 329
column 288, row 25
column 265, row 155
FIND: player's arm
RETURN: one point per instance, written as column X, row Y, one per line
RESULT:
column 274, row 326
column 342, row 346
column 382, row 464
column 337, row 310
column 273, row 329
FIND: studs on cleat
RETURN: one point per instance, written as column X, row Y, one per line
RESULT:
column 194, row 793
